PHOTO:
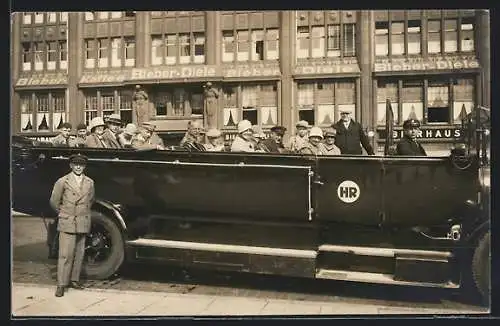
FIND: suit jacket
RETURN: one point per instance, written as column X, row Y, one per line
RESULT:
column 348, row 140
column 241, row 145
column 94, row 142
column 111, row 139
column 407, row 146
column 60, row 141
column 271, row 146
column 295, row 143
column 73, row 203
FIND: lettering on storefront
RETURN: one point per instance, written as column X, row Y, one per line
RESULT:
column 252, row 71
column 432, row 63
column 330, row 67
column 42, row 80
column 99, row 78
column 174, row 73
column 441, row 133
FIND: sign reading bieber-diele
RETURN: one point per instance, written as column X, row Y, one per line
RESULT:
column 174, row 72
column 431, row 63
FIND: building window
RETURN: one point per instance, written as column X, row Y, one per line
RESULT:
column 414, row 35
column 397, row 38
column 230, row 103
column 196, row 103
column 272, row 44
column 319, row 40
column 438, row 110
column 63, row 17
column 450, row 35
column 387, row 90
column 178, row 102
column 38, row 17
column 102, row 54
column 90, row 53
column 58, row 104
column 107, row 104
column 104, row 103
column 27, row 56
column 434, row 36
column 51, row 17
column 171, row 47
column 180, row 48
column 42, row 112
column 382, row 38
column 157, row 50
column 116, row 52
column 251, row 45
column 45, row 114
column 63, row 55
column 412, row 100
column 319, row 102
column 129, row 51
column 463, row 98
column 184, row 48
column 51, row 55
column 257, row 53
column 199, row 47
column 467, row 37
column 91, row 107
column 228, row 47
column 243, row 48
column 126, row 107
column 26, row 113
column 27, row 18
column 38, row 50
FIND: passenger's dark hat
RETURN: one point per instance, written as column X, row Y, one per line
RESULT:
column 78, row 158
column 66, row 125
column 81, row 126
column 411, row 123
column 280, row 130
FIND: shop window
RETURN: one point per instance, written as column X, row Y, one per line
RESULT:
column 333, row 41
column 59, row 110
column 387, row 90
column 397, row 38
column 63, row 55
column 63, row 17
column 467, row 37
column 27, row 18
column 107, row 104
column 26, row 113
column 125, row 99
column 463, row 98
column 381, row 38
column 199, row 48
column 103, row 52
column 230, row 110
column 27, row 56
column 51, row 55
column 42, row 112
column 38, row 17
column 179, row 102
column 157, row 50
column 414, row 36
column 91, row 107
column 184, row 48
column 116, row 51
column 228, row 46
column 306, row 102
column 412, row 100
column 434, row 36
column 325, row 103
column 249, row 103
column 163, row 103
column 438, row 110
column 450, row 35
column 51, row 17
column 38, row 50
column 129, row 51
column 242, row 46
column 196, row 103
column 90, row 53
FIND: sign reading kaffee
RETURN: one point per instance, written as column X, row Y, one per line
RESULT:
column 42, row 80
column 328, row 67
column 100, row 77
column 431, row 63
column 173, row 72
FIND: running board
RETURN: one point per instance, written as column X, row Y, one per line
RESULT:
column 379, row 278
column 384, row 252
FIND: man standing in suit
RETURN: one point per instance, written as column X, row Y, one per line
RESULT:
column 350, row 135
column 408, row 145
column 72, row 198
column 114, row 123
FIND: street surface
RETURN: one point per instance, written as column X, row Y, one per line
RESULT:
column 31, row 265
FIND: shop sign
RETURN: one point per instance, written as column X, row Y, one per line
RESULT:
column 173, row 73
column 431, row 63
column 328, row 67
column 42, row 80
column 252, row 71
column 441, row 133
column 103, row 77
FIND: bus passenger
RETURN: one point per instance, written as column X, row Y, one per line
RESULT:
column 215, row 142
column 193, row 139
column 244, row 140
column 258, row 138
column 127, row 135
column 274, row 144
column 329, row 142
column 64, row 139
column 96, row 139
column 114, row 124
column 143, row 139
column 314, row 146
column 408, row 145
column 81, row 135
column 300, row 139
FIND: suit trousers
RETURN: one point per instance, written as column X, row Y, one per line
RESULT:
column 71, row 253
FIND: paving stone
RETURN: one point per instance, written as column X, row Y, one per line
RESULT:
column 235, row 306
column 290, row 308
column 124, row 304
column 178, row 306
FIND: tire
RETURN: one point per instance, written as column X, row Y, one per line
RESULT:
column 109, row 250
column 481, row 267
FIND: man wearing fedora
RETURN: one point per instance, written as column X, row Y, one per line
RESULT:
column 350, row 135
column 114, row 124
column 274, row 144
column 72, row 198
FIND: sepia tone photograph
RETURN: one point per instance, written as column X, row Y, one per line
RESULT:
column 250, row 163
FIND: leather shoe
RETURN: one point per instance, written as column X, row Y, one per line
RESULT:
column 59, row 291
column 76, row 285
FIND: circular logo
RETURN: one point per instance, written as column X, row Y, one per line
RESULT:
column 348, row 191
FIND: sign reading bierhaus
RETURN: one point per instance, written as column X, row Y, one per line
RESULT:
column 431, row 63
column 440, row 133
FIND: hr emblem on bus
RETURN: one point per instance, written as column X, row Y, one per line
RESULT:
column 348, row 191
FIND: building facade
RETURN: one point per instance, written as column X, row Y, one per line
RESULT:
column 270, row 67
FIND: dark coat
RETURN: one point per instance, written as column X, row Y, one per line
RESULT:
column 271, row 146
column 407, row 146
column 349, row 140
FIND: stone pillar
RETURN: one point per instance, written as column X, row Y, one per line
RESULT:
column 287, row 63
column 15, row 63
column 365, row 60
column 75, row 63
column 484, row 55
column 211, row 48
column 142, row 39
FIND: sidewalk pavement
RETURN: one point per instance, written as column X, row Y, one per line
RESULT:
column 39, row 300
